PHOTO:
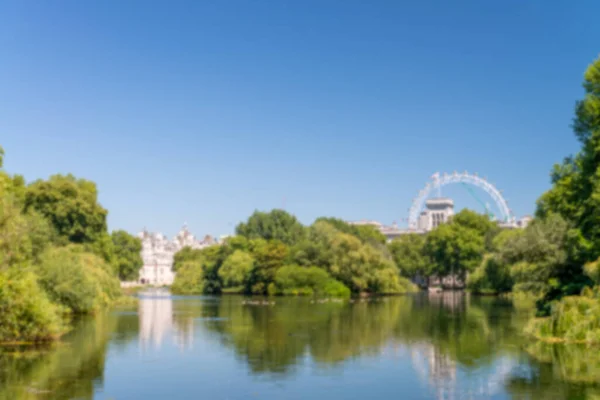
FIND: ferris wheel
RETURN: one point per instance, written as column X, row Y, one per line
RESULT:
column 438, row 180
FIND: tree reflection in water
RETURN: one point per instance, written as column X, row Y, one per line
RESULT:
column 67, row 370
column 460, row 346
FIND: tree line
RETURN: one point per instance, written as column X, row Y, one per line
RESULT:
column 273, row 253
column 57, row 258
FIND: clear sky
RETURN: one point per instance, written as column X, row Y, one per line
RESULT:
column 203, row 111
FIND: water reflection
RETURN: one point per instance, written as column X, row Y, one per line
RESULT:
column 450, row 345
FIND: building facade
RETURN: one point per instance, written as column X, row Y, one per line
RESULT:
column 158, row 253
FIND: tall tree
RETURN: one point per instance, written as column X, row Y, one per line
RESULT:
column 366, row 233
column 407, row 252
column 454, row 249
column 127, row 255
column 236, row 268
column 70, row 205
column 575, row 192
column 273, row 225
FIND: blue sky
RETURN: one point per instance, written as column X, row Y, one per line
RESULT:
column 202, row 112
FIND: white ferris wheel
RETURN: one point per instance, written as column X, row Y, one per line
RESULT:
column 468, row 180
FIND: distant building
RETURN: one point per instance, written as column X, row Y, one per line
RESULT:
column 523, row 222
column 437, row 211
column 158, row 252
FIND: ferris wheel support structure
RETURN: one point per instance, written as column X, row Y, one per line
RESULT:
column 439, row 180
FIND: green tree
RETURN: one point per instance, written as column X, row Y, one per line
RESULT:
column 315, row 248
column 27, row 313
column 575, row 192
column 366, row 233
column 481, row 223
column 407, row 252
column 128, row 259
column 189, row 278
column 236, row 268
column 454, row 249
column 184, row 255
column 1, row 157
column 80, row 281
column 491, row 276
column 273, row 225
column 544, row 260
column 70, row 205
column 23, row 237
column 269, row 256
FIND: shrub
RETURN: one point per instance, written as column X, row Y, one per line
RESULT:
column 388, row 281
column 189, row 278
column 236, row 268
column 492, row 276
column 80, row 281
column 334, row 288
column 294, row 280
column 572, row 319
column 25, row 311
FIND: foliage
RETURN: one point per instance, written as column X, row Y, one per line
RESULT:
column 38, row 223
column 407, row 252
column 22, row 236
column 189, row 278
column 572, row 319
column 184, row 255
column 26, row 313
column 251, row 265
column 491, row 276
column 128, row 259
column 479, row 222
column 592, row 270
column 268, row 257
column 236, row 268
column 575, row 193
column 295, row 280
column 366, row 233
column 364, row 268
column 454, row 249
column 542, row 260
column 315, row 248
column 80, row 281
column 503, row 237
column 274, row 225
column 70, row 205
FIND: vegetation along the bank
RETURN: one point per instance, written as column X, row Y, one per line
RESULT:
column 273, row 253
column 57, row 259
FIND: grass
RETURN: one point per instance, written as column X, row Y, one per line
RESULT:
column 574, row 319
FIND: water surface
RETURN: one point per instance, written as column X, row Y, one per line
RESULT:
column 425, row 346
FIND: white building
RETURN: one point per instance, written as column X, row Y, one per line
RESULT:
column 437, row 211
column 158, row 252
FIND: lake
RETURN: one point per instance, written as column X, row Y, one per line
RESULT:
column 423, row 346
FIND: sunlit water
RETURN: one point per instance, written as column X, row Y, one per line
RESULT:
column 426, row 346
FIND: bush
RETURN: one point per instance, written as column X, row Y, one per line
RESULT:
column 334, row 288
column 572, row 319
column 80, row 281
column 26, row 313
column 294, row 280
column 492, row 276
column 189, row 278
column 388, row 281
